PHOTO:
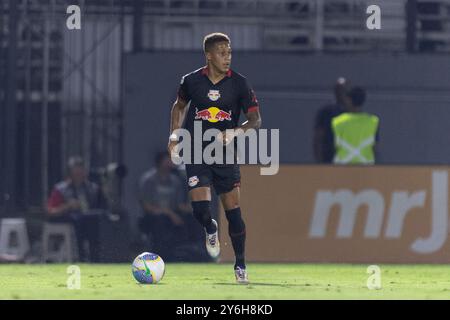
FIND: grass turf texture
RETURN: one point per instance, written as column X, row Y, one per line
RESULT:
column 216, row 281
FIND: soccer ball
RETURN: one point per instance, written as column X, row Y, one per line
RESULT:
column 148, row 268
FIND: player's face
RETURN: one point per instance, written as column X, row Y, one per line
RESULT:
column 220, row 56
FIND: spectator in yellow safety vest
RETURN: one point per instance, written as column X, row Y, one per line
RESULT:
column 356, row 133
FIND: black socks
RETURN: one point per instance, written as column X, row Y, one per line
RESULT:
column 236, row 227
column 202, row 212
column 236, row 230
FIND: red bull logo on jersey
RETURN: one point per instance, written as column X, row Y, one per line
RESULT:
column 210, row 145
column 213, row 95
column 212, row 114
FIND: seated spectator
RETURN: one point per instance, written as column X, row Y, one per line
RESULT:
column 74, row 201
column 167, row 220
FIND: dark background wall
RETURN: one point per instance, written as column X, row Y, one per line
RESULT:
column 409, row 93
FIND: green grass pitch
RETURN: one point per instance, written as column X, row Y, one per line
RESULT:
column 216, row 281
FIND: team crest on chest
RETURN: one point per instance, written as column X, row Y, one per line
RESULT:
column 213, row 95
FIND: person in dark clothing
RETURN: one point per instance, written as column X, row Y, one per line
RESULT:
column 323, row 143
column 77, row 201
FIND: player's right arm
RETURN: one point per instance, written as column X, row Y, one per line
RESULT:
column 176, row 120
column 178, row 112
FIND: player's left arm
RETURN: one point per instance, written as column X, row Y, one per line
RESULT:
column 250, row 106
column 253, row 121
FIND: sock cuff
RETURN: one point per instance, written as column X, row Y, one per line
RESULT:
column 236, row 226
column 243, row 232
column 200, row 205
column 233, row 211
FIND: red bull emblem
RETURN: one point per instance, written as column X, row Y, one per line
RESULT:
column 222, row 115
column 212, row 114
column 202, row 114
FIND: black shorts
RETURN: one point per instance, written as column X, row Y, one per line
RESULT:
column 223, row 178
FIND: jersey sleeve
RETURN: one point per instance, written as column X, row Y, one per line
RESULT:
column 249, row 102
column 183, row 90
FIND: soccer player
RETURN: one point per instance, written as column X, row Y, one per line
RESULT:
column 216, row 96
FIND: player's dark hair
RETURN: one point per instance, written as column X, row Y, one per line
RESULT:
column 211, row 39
column 358, row 96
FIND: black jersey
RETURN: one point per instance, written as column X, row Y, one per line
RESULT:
column 217, row 105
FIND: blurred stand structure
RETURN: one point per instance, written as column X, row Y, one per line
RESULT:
column 61, row 90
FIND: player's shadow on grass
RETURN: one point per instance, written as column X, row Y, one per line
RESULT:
column 264, row 284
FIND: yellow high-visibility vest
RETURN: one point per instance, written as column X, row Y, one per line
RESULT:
column 354, row 137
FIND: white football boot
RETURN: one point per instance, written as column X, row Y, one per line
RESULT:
column 241, row 275
column 212, row 242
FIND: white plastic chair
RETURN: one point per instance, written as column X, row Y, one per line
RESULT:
column 14, row 239
column 67, row 250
